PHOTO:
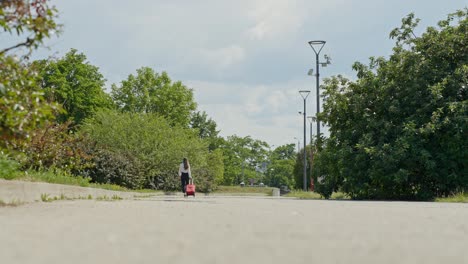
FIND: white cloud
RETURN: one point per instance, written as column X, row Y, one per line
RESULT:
column 275, row 18
column 266, row 112
column 223, row 57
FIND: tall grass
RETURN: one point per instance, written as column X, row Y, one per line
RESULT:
column 460, row 197
column 303, row 195
column 243, row 190
column 315, row 196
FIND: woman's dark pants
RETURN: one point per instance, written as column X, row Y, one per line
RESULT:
column 184, row 181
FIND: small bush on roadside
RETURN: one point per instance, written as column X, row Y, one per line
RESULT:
column 116, row 168
column 204, row 180
column 8, row 167
column 165, row 181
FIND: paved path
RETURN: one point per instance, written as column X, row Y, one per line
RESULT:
column 233, row 230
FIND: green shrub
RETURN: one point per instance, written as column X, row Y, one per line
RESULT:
column 56, row 146
column 144, row 151
column 8, row 168
column 116, row 168
column 165, row 181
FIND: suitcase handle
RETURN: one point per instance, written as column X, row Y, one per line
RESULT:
column 190, row 181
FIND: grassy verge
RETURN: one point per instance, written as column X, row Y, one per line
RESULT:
column 237, row 190
column 51, row 177
column 45, row 197
column 316, row 196
column 461, row 197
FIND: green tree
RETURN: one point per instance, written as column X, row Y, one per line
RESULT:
column 400, row 130
column 151, row 92
column 243, row 159
column 280, row 170
column 299, row 169
column 206, row 129
column 75, row 84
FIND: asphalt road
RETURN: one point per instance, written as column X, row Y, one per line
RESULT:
column 166, row 229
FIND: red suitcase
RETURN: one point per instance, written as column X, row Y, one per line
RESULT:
column 190, row 189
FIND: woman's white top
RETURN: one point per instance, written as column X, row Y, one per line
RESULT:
column 183, row 170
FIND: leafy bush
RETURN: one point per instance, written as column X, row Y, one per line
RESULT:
column 165, row 181
column 116, row 168
column 22, row 104
column 8, row 168
column 55, row 146
column 144, row 151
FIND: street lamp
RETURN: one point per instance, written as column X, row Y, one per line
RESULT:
column 304, row 94
column 317, row 46
column 311, row 120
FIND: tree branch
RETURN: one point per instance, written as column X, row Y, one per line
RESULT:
column 27, row 43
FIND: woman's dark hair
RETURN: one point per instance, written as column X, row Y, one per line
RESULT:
column 186, row 163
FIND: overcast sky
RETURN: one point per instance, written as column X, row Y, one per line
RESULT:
column 245, row 59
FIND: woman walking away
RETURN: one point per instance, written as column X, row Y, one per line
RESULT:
column 184, row 174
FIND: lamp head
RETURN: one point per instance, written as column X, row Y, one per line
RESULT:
column 310, row 72
column 317, row 44
column 304, row 93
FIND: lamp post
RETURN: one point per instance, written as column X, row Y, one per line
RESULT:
column 311, row 120
column 304, row 94
column 317, row 46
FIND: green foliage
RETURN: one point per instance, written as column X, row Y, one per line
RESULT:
column 314, row 195
column 75, row 84
column 237, row 190
column 143, row 150
column 8, row 167
column 280, row 171
column 299, row 168
column 116, row 168
column 62, row 177
column 460, row 197
column 45, row 197
column 22, row 104
column 206, row 129
column 55, row 146
column 151, row 92
column 33, row 18
column 304, row 195
column 57, row 176
column 216, row 167
column 400, row 130
column 243, row 158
